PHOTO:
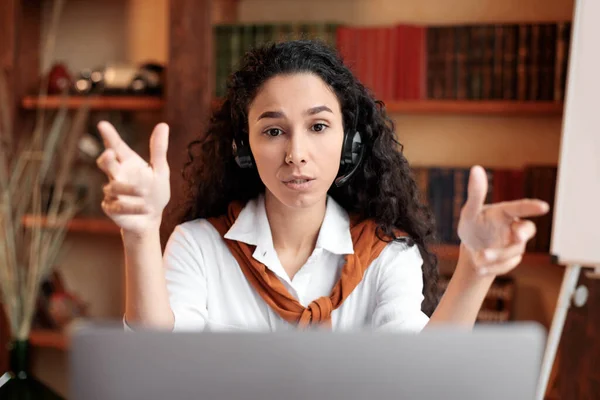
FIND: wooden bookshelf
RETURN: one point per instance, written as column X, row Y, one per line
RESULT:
column 123, row 103
column 96, row 225
column 47, row 338
column 476, row 107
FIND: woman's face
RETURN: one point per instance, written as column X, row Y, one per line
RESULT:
column 296, row 135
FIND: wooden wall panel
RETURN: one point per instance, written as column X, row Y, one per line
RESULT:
column 578, row 357
column 19, row 60
column 188, row 91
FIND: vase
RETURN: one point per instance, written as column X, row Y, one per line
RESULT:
column 18, row 383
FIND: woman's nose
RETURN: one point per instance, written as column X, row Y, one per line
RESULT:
column 296, row 152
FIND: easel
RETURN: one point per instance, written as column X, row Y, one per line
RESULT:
column 568, row 293
column 574, row 240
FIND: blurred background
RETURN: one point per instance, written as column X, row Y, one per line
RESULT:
column 465, row 81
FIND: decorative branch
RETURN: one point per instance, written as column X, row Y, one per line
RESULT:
column 28, row 253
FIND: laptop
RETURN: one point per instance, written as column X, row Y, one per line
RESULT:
column 490, row 362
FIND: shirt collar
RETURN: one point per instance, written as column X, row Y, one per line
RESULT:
column 252, row 227
column 334, row 235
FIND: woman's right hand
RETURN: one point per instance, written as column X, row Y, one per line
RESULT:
column 137, row 191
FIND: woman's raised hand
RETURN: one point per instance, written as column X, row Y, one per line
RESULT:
column 496, row 234
column 137, row 191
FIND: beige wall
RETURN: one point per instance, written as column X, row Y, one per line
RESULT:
column 94, row 32
column 491, row 141
column 147, row 30
column 462, row 11
column 91, row 33
column 370, row 12
column 147, row 27
column 136, row 30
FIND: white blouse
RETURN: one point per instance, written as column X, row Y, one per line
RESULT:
column 208, row 290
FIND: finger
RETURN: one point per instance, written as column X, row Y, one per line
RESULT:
column 491, row 257
column 108, row 163
column 116, row 188
column 503, row 267
column 113, row 141
column 110, row 198
column 477, row 192
column 159, row 143
column 524, row 208
column 124, row 206
column 523, row 230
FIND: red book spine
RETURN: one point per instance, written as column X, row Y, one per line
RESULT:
column 409, row 60
column 422, row 66
column 401, row 62
column 361, row 56
column 344, row 44
column 414, row 62
column 392, row 74
column 386, row 54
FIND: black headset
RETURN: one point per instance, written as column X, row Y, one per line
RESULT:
column 353, row 152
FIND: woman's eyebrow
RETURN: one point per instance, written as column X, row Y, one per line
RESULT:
column 280, row 114
column 318, row 109
column 271, row 114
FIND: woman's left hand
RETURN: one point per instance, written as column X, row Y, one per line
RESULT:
column 494, row 235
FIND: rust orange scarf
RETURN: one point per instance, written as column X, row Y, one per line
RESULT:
column 367, row 247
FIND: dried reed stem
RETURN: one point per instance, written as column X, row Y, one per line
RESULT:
column 27, row 254
column 5, row 130
column 47, row 53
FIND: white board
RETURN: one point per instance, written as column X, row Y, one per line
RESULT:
column 576, row 216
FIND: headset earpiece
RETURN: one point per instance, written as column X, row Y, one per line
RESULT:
column 347, row 156
column 353, row 153
column 241, row 149
column 357, row 148
column 242, row 154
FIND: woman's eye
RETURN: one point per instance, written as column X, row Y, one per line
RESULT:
column 274, row 132
column 319, row 127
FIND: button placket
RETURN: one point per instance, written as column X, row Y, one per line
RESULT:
column 265, row 256
column 303, row 278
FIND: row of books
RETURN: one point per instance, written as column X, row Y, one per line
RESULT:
column 445, row 192
column 232, row 41
column 502, row 61
column 525, row 62
column 463, row 62
column 499, row 301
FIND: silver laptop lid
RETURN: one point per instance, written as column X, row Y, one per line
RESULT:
column 491, row 362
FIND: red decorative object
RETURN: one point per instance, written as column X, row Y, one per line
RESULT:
column 59, row 79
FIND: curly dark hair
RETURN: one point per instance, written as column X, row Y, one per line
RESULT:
column 383, row 188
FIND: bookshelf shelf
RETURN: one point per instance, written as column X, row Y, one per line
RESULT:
column 47, row 338
column 468, row 107
column 475, row 107
column 123, row 103
column 458, row 107
column 80, row 225
column 105, row 226
column 450, row 252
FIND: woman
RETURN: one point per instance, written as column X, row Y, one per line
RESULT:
column 303, row 213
